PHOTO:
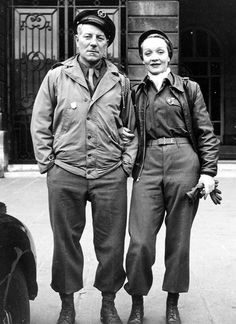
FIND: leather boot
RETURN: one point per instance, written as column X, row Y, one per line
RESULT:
column 67, row 314
column 172, row 312
column 109, row 313
column 136, row 315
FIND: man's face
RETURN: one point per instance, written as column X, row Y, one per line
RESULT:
column 91, row 43
column 155, row 55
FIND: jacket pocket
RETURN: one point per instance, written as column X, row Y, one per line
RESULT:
column 69, row 116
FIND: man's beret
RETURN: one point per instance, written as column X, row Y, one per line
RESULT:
column 160, row 34
column 98, row 18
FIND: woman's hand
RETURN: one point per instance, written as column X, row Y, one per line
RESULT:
column 208, row 182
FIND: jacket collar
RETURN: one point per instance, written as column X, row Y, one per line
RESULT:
column 110, row 78
column 97, row 68
column 73, row 69
column 175, row 82
column 73, row 62
column 178, row 82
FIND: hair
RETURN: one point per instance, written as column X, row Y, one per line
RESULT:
column 79, row 27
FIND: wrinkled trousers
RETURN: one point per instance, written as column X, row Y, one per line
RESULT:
column 160, row 196
column 68, row 195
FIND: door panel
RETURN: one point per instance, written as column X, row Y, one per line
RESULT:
column 35, row 50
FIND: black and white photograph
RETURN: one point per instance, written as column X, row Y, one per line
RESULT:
column 117, row 162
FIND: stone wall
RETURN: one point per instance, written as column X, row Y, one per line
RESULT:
column 145, row 15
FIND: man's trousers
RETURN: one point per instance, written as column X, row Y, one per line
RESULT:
column 68, row 195
column 160, row 195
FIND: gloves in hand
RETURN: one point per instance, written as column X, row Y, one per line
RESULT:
column 216, row 194
column 208, row 182
column 198, row 192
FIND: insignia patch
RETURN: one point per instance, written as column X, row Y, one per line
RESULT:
column 101, row 14
column 171, row 101
column 73, row 105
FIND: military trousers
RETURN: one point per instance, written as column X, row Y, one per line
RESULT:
column 68, row 195
column 160, row 196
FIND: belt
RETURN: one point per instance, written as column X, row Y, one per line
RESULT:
column 168, row 141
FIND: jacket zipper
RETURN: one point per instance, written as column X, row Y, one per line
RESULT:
column 144, row 145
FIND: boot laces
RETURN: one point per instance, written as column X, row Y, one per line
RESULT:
column 173, row 312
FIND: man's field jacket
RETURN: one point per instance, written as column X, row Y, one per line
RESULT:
column 79, row 133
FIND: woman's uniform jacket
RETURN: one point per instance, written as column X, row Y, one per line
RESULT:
column 196, row 117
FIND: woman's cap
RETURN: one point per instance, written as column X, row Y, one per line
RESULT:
column 158, row 33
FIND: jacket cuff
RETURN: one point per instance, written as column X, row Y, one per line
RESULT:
column 210, row 173
column 44, row 168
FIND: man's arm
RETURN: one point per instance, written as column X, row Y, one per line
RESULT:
column 129, row 134
column 41, row 123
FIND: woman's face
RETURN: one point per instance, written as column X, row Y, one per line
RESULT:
column 155, row 55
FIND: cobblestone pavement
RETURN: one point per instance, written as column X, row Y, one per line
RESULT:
column 212, row 295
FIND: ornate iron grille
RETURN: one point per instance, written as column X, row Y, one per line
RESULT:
column 41, row 35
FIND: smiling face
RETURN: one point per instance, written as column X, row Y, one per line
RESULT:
column 155, row 55
column 91, row 43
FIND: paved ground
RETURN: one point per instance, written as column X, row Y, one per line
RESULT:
column 212, row 297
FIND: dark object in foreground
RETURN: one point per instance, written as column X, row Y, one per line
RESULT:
column 199, row 192
column 18, row 282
